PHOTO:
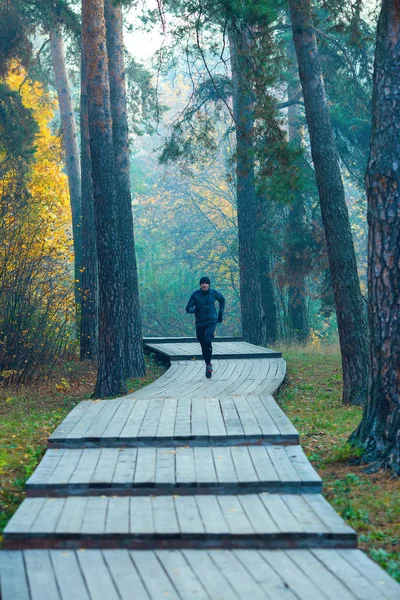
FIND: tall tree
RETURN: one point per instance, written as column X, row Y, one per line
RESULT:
column 110, row 377
column 297, row 300
column 253, row 318
column 71, row 147
column 350, row 310
column 379, row 431
column 89, row 266
column 133, row 343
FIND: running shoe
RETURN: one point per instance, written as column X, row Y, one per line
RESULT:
column 208, row 371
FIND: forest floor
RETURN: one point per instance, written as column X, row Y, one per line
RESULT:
column 28, row 416
column 370, row 503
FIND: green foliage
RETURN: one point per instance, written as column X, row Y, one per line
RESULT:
column 17, row 130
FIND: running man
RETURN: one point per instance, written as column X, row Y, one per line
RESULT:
column 202, row 304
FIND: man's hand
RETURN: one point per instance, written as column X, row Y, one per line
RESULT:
column 220, row 318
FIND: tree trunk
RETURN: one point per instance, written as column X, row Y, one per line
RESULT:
column 71, row 148
column 253, row 319
column 133, row 341
column 296, row 229
column 342, row 261
column 110, row 377
column 379, row 431
column 89, row 287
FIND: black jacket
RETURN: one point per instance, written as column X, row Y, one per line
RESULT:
column 202, row 304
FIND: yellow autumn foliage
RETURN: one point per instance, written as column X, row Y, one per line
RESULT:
column 36, row 256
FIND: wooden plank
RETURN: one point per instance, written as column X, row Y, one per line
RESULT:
column 135, row 419
column 45, row 468
column 377, row 577
column 72, row 515
column 302, row 465
column 216, row 425
column 69, row 576
column 42, row 583
column 282, row 464
column 119, row 419
column 279, row 417
column 243, row 464
column 167, row 420
column 25, row 515
column 212, row 515
column 199, row 418
column 104, row 471
column 117, row 518
column 66, row 467
column 100, row 423
column 125, row 575
column 85, row 467
column 235, row 516
column 260, row 519
column 205, row 467
column 98, row 578
column 188, row 515
column 224, row 465
column 320, row 576
column 68, row 424
column 158, row 583
column 264, row 419
column 141, row 516
column 325, row 511
column 345, row 572
column 231, row 418
column 125, row 468
column 262, row 463
column 94, row 517
column 13, row 581
column 90, row 414
column 164, row 514
column 293, row 577
column 280, row 513
column 239, row 577
column 185, row 466
column 47, row 519
column 150, row 421
column 183, row 419
column 208, row 572
column 165, row 467
column 182, row 576
column 145, row 466
column 264, row 575
column 247, row 418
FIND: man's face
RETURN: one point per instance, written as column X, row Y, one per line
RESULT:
column 204, row 286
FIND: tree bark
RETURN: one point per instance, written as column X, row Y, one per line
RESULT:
column 379, row 431
column 253, row 318
column 110, row 377
column 134, row 364
column 297, row 302
column 71, row 148
column 89, row 286
column 342, row 261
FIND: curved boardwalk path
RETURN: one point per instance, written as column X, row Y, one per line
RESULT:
column 189, row 488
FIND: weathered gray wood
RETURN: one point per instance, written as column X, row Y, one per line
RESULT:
column 224, row 466
column 98, row 578
column 117, row 518
column 166, row 424
column 243, row 464
column 231, row 418
column 145, row 466
column 85, row 467
column 270, row 582
column 188, row 515
column 13, row 581
column 185, row 467
column 125, row 575
column 216, row 425
column 25, row 516
column 150, row 422
column 105, row 468
column 239, row 577
column 199, row 418
column 42, row 583
column 94, row 517
column 141, row 516
column 68, row 575
column 181, row 575
column 165, row 467
column 72, row 516
column 183, row 419
column 125, row 468
column 377, row 577
column 205, row 467
column 157, row 582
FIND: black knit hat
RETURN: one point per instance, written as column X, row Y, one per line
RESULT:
column 205, row 280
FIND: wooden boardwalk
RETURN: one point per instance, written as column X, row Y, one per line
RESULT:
column 188, row 488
